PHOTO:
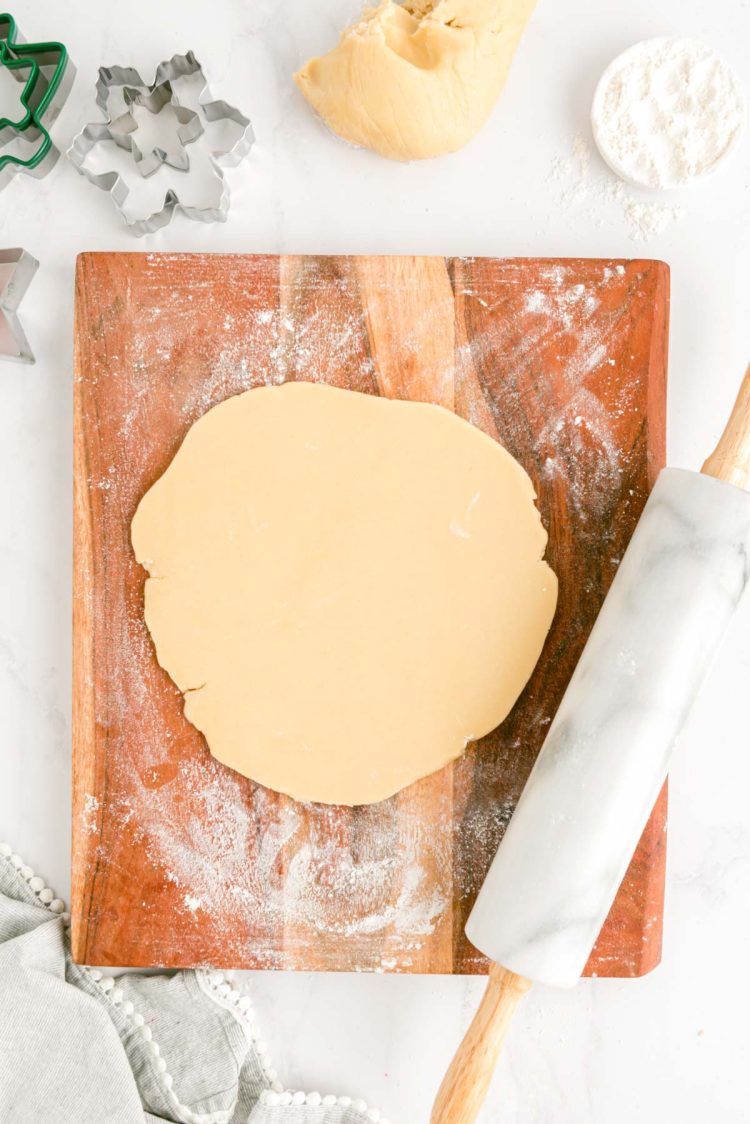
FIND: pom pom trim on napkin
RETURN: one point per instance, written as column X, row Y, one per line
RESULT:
column 214, row 985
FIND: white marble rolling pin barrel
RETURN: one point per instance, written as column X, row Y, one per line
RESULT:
column 606, row 755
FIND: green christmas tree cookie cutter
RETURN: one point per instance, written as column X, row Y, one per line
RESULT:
column 47, row 74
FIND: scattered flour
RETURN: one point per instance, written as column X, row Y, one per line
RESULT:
column 603, row 196
column 251, row 858
column 90, row 810
column 650, row 219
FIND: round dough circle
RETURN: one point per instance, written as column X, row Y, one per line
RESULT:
column 347, row 589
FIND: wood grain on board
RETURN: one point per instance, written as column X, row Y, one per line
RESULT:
column 176, row 859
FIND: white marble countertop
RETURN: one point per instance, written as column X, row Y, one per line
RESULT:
column 671, row 1047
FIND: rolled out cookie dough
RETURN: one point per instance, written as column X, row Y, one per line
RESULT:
column 416, row 79
column 347, row 589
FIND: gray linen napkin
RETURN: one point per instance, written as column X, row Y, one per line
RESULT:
column 77, row 1047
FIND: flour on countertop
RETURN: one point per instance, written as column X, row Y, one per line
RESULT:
column 666, row 112
column 602, row 196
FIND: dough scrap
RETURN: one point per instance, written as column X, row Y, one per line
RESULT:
column 416, row 80
column 347, row 589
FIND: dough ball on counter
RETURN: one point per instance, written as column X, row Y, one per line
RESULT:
column 419, row 79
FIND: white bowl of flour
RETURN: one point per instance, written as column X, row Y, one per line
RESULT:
column 667, row 112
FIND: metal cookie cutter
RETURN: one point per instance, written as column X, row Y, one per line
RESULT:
column 118, row 90
column 47, row 75
column 124, row 128
column 17, row 268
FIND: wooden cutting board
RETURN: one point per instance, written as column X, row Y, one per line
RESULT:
column 179, row 861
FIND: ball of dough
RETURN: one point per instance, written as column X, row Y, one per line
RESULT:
column 419, row 79
column 346, row 589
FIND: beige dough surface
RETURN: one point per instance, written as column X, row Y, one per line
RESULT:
column 419, row 79
column 346, row 588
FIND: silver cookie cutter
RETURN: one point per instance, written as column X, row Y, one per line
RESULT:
column 118, row 90
column 124, row 128
column 17, row 269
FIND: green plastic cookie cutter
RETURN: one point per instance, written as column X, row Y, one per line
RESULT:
column 47, row 74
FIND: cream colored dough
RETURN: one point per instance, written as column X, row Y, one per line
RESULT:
column 347, row 589
column 418, row 79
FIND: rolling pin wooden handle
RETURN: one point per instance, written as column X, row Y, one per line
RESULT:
column 730, row 459
column 464, row 1086
column 463, row 1090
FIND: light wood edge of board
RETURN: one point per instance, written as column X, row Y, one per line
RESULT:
column 83, row 731
column 730, row 460
column 464, row 1087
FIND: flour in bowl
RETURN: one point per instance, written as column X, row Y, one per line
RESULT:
column 667, row 112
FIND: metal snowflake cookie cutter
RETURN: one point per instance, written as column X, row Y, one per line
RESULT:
column 47, row 74
column 115, row 89
column 124, row 128
column 17, row 269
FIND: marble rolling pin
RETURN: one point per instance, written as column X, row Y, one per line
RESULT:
column 605, row 758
